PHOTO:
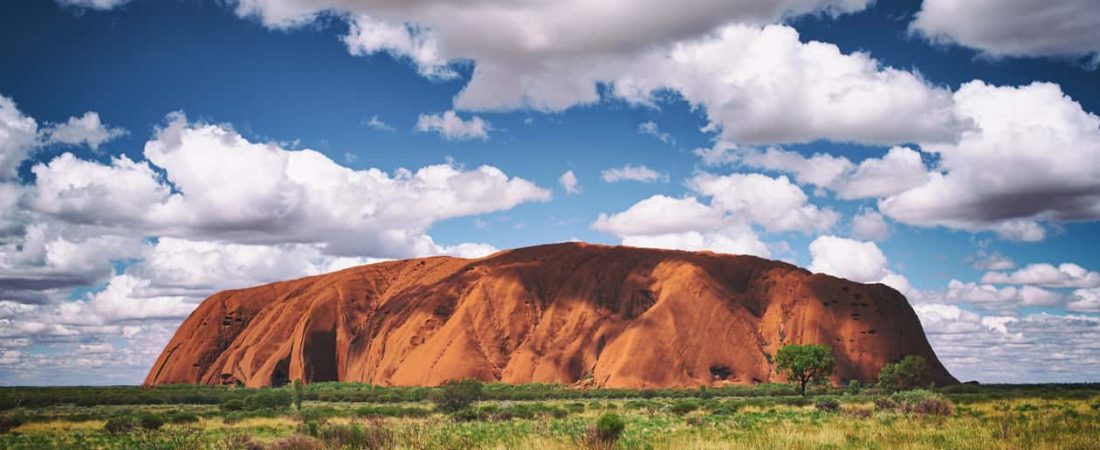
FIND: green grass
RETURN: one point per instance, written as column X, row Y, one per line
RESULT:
column 554, row 417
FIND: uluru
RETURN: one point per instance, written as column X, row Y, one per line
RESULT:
column 568, row 313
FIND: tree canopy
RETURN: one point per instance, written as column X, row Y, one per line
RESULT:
column 805, row 363
column 909, row 373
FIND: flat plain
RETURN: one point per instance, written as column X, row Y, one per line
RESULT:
column 357, row 416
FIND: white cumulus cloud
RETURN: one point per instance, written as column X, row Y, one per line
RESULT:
column 452, row 127
column 633, row 173
column 86, row 129
column 1027, row 28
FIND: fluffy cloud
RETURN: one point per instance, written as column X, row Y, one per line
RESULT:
column 633, row 173
column 1008, row 349
column 857, row 261
column 1013, row 27
column 1085, row 300
column 46, row 258
column 768, row 87
column 683, row 224
column 86, row 129
column 846, row 258
column 651, row 128
column 820, row 170
column 292, row 196
column 101, row 5
column 1066, row 275
column 900, row 169
column 658, row 215
column 568, row 181
column 452, row 127
column 539, row 55
column 772, row 88
column 1034, row 156
column 18, row 135
column 376, row 123
column 990, row 297
column 735, row 239
column 162, row 233
column 367, row 36
column 774, row 203
column 869, row 225
column 985, row 260
column 737, row 202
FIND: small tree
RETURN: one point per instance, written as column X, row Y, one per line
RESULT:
column 456, row 395
column 299, row 392
column 805, row 363
column 909, row 373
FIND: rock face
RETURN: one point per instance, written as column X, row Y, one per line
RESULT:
column 562, row 313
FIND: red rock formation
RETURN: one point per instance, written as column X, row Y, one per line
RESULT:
column 627, row 317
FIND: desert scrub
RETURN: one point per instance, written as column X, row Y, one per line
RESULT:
column 921, row 401
column 827, row 405
column 605, row 433
column 456, row 395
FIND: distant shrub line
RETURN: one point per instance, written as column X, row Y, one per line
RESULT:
column 32, row 397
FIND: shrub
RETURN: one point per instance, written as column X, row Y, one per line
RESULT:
column 909, row 373
column 456, row 395
column 232, row 404
column 299, row 393
column 375, row 436
column 150, row 421
column 885, row 404
column 468, row 414
column 858, row 413
column 724, row 408
column 9, row 421
column 933, row 407
column 120, row 425
column 182, row 417
column 609, row 427
column 295, row 442
column 854, row 386
column 392, row 411
column 827, row 405
column 179, row 439
column 268, row 399
column 683, row 407
column 607, row 431
column 922, row 401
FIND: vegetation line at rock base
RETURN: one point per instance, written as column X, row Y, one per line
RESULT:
column 493, row 416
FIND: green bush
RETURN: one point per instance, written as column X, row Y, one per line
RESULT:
column 150, row 421
column 605, row 433
column 456, row 395
column 268, row 399
column 392, row 411
column 232, row 404
column 9, row 421
column 120, row 425
column 827, row 405
column 468, row 414
column 182, row 417
column 922, row 401
column 374, row 436
column 683, row 407
column 610, row 427
column 909, row 373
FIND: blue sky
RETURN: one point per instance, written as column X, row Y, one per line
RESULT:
column 849, row 137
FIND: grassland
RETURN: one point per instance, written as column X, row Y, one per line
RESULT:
column 353, row 416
